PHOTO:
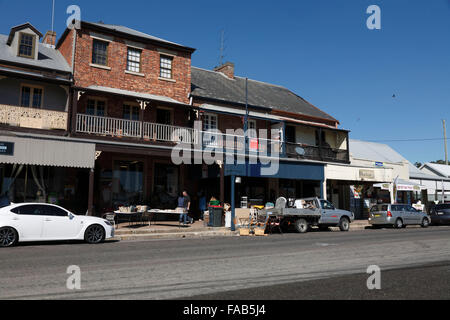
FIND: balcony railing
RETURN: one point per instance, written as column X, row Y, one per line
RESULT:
column 133, row 129
column 33, row 118
column 213, row 141
column 302, row 151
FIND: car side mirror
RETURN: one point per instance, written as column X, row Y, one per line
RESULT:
column 71, row 216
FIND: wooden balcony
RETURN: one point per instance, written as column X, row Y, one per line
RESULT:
column 33, row 118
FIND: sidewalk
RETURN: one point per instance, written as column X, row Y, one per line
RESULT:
column 169, row 230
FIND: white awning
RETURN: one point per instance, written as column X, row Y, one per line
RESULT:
column 48, row 152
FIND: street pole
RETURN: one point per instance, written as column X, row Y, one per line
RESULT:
column 246, row 127
column 445, row 142
column 233, row 204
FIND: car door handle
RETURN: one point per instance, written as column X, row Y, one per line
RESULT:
column 48, row 220
column 16, row 219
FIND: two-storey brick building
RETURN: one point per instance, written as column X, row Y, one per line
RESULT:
column 130, row 96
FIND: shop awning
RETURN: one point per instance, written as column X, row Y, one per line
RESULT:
column 46, row 152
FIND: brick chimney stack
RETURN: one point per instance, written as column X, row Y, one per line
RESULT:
column 227, row 69
column 49, row 39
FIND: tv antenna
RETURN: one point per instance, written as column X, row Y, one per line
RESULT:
column 222, row 47
column 53, row 15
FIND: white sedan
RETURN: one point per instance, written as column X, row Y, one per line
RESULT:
column 27, row 222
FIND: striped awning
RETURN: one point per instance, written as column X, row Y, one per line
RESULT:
column 47, row 152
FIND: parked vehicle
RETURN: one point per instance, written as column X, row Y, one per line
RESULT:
column 311, row 212
column 397, row 215
column 29, row 222
column 440, row 214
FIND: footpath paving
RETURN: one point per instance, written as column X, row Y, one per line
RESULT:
column 172, row 230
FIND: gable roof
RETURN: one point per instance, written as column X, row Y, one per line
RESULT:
column 440, row 169
column 21, row 27
column 48, row 58
column 215, row 86
column 383, row 153
column 127, row 32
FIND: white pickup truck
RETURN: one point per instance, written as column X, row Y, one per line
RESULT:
column 310, row 212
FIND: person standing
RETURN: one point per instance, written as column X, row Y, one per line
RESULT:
column 202, row 205
column 185, row 202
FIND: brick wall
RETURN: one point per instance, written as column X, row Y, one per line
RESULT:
column 86, row 75
column 66, row 47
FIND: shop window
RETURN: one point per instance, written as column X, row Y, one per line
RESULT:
column 128, row 183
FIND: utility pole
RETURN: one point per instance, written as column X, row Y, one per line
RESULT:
column 445, row 142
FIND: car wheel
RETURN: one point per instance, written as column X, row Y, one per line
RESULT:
column 425, row 223
column 398, row 224
column 344, row 225
column 8, row 237
column 94, row 234
column 301, row 226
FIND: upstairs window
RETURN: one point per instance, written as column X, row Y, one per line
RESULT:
column 26, row 45
column 31, row 96
column 100, row 53
column 166, row 67
column 134, row 60
column 131, row 112
column 96, row 107
column 164, row 116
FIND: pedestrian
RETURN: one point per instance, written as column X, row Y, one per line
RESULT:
column 184, row 202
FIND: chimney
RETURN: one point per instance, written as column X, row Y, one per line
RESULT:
column 227, row 69
column 49, row 39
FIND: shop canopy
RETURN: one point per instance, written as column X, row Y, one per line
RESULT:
column 46, row 151
column 402, row 185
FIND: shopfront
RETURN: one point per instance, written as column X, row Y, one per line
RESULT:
column 46, row 170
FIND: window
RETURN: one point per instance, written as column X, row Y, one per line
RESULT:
column 252, row 131
column 100, row 53
column 26, row 45
column 209, row 122
column 166, row 67
column 31, row 96
column 131, row 112
column 134, row 60
column 290, row 134
column 164, row 116
column 29, row 210
column 96, row 107
column 327, row 205
column 55, row 212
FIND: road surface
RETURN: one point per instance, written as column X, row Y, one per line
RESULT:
column 209, row 267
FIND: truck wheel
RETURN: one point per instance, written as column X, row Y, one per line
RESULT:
column 344, row 225
column 301, row 225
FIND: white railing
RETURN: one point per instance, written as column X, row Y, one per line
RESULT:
column 168, row 133
column 108, row 126
column 135, row 129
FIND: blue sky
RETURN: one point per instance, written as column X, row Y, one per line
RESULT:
column 320, row 49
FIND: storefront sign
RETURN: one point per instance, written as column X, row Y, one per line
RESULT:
column 7, row 148
column 366, row 174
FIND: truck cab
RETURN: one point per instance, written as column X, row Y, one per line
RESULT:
column 332, row 217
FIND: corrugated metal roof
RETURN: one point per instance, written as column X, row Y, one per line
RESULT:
column 214, row 85
column 139, row 95
column 383, row 153
column 48, row 152
column 48, row 58
column 440, row 169
column 135, row 33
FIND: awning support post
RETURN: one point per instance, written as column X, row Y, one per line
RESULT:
column 91, row 193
